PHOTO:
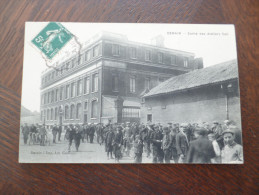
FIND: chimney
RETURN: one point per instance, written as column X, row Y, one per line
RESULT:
column 158, row 41
column 198, row 63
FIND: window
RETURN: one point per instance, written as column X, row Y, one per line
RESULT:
column 61, row 93
column 78, row 111
column 185, row 62
column 133, row 53
column 133, row 84
column 41, row 116
column 56, row 113
column 130, row 112
column 148, row 55
column 52, row 96
column 173, row 59
column 86, row 85
column 94, row 109
column 42, row 100
column 147, row 83
column 160, row 57
column 67, row 91
column 115, row 83
column 79, row 87
column 96, row 51
column 45, row 98
column 44, row 115
column 56, row 98
column 95, row 83
column 87, row 56
column 73, row 89
column 48, row 114
column 149, row 118
column 86, row 106
column 49, row 97
column 115, row 50
column 66, row 112
column 72, row 111
column 51, row 114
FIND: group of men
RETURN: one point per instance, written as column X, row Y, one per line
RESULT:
column 33, row 134
column 171, row 143
column 175, row 143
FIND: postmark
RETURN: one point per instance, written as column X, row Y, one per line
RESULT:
column 52, row 39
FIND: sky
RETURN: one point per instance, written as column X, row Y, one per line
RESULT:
column 214, row 43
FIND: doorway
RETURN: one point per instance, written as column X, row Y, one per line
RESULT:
column 149, row 118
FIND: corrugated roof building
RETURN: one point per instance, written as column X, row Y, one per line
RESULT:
column 202, row 95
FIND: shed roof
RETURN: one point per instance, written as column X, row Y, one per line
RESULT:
column 197, row 78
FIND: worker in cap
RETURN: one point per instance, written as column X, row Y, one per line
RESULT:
column 166, row 144
column 182, row 143
column 232, row 152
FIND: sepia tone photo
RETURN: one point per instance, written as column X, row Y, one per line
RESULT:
column 130, row 93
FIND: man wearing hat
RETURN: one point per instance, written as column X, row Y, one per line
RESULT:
column 201, row 149
column 26, row 132
column 127, row 138
column 216, row 147
column 91, row 133
column 77, row 136
column 147, row 141
column 232, row 152
column 156, row 140
column 59, row 132
column 71, row 133
column 166, row 144
column 54, row 132
column 217, row 131
column 42, row 134
column 182, row 143
column 109, row 141
column 117, row 143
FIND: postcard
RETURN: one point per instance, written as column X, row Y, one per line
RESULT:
column 130, row 93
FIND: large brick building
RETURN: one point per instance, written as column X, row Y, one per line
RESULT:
column 205, row 95
column 106, row 81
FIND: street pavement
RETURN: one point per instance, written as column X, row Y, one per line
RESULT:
column 58, row 153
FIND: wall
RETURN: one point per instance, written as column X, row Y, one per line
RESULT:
column 141, row 50
column 205, row 104
column 77, row 99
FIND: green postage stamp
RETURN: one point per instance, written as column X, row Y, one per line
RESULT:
column 52, row 39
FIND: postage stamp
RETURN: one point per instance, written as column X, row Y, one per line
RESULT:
column 52, row 39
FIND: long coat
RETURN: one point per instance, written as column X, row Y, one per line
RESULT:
column 201, row 151
column 182, row 144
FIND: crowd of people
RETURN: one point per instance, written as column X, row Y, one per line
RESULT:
column 170, row 143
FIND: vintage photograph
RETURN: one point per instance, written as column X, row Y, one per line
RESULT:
column 130, row 93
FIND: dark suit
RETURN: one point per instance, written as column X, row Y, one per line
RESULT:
column 156, row 140
column 201, row 151
column 182, row 145
column 54, row 132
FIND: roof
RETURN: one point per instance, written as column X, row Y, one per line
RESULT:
column 197, row 78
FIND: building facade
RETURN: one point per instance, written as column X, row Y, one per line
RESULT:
column 205, row 95
column 107, row 80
